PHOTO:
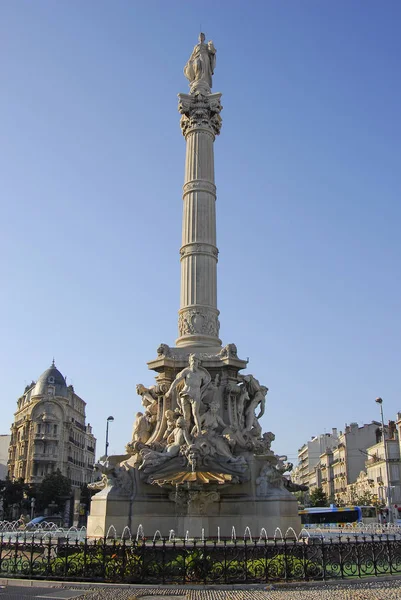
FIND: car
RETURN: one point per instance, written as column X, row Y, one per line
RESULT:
column 45, row 522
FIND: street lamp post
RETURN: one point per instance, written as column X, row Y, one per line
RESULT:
column 109, row 420
column 388, row 492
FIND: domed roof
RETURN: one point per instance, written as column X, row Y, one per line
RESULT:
column 51, row 377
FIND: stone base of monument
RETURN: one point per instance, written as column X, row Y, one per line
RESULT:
column 208, row 511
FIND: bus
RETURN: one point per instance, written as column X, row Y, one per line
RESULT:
column 337, row 516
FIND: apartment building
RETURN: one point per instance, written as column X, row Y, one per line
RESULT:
column 50, row 432
column 309, row 457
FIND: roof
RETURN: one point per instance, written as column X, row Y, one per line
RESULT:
column 52, row 377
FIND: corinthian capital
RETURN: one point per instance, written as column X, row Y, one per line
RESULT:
column 200, row 111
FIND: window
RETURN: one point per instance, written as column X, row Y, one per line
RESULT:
column 55, row 429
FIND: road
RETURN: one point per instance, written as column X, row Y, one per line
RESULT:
column 29, row 593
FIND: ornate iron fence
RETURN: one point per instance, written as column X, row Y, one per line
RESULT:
column 208, row 561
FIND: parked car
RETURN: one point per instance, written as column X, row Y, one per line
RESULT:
column 45, row 522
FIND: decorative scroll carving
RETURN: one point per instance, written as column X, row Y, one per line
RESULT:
column 198, row 321
column 200, row 111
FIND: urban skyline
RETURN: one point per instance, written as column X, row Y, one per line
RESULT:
column 309, row 280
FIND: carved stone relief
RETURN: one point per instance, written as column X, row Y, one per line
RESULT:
column 198, row 321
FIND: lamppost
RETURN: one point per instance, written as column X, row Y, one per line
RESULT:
column 109, row 420
column 388, row 492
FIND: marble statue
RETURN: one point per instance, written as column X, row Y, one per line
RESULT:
column 257, row 394
column 270, row 477
column 243, row 399
column 195, row 379
column 200, row 66
column 210, row 423
column 171, row 417
column 211, row 420
column 116, row 473
column 142, row 428
column 229, row 351
column 177, row 438
column 149, row 398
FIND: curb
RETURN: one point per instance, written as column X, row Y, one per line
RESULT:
column 87, row 585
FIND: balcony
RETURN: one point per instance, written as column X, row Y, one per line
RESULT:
column 44, row 457
column 78, row 463
column 74, row 441
column 46, row 436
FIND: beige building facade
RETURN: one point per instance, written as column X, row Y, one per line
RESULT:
column 309, row 458
column 50, row 433
column 355, row 466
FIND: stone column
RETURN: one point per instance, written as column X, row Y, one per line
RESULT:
column 198, row 322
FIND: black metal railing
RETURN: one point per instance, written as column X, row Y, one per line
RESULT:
column 209, row 561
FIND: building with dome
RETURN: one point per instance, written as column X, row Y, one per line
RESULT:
column 50, row 432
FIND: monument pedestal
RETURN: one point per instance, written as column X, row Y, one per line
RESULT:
column 200, row 511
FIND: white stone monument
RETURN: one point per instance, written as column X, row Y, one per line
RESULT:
column 198, row 460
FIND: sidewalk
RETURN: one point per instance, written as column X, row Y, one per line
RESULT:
column 383, row 589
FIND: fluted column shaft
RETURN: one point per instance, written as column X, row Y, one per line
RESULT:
column 198, row 316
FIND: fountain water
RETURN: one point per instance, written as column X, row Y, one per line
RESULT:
column 126, row 534
column 111, row 532
column 157, row 534
column 203, row 535
column 171, row 535
column 262, row 533
column 233, row 535
column 187, row 536
column 139, row 532
column 8, row 526
column 247, row 531
column 278, row 530
column 218, row 535
column 293, row 531
column 304, row 533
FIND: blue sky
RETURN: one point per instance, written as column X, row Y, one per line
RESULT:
column 308, row 180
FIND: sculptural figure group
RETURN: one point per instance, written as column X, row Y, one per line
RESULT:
column 181, row 433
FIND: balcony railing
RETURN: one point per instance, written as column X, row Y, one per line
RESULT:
column 44, row 457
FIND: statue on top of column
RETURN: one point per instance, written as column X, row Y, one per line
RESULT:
column 200, row 66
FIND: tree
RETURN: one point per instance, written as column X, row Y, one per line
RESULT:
column 54, row 488
column 301, row 497
column 318, row 497
column 365, row 499
column 12, row 493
